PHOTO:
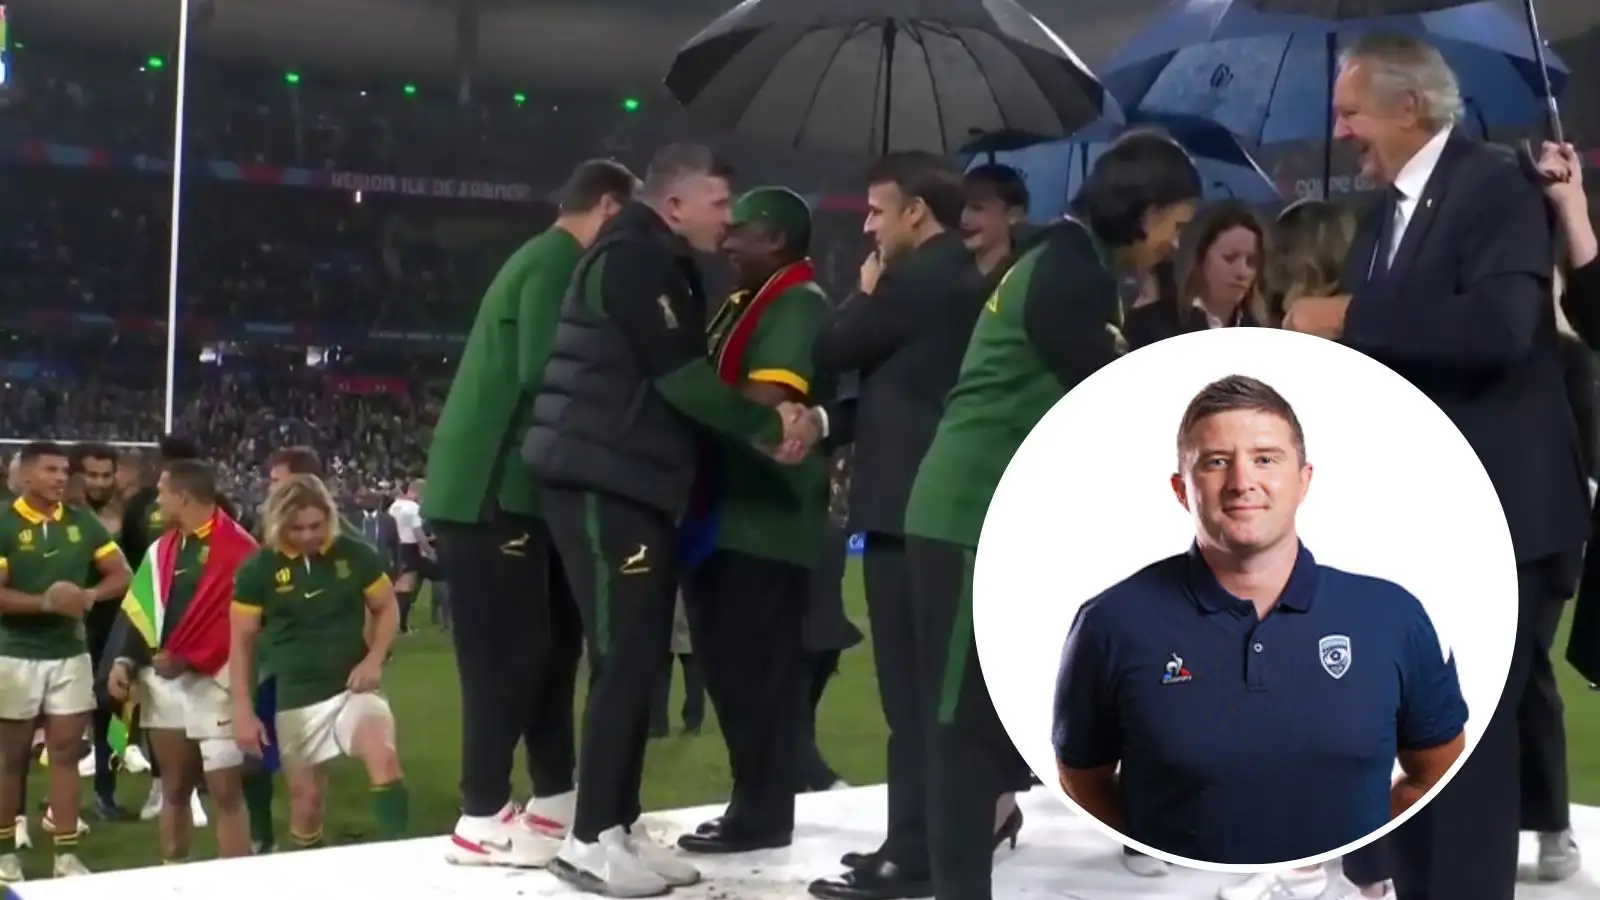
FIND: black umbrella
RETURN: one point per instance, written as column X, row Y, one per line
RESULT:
column 871, row 76
column 1373, row 9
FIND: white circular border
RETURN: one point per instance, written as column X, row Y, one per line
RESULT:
column 1298, row 366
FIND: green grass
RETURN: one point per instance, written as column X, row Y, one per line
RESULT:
column 682, row 771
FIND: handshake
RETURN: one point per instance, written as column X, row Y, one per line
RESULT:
column 802, row 429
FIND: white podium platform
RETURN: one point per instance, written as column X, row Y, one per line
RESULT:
column 1058, row 857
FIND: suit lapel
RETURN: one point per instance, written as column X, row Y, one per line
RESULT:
column 1427, row 206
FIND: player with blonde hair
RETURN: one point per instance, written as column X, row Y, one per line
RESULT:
column 303, row 599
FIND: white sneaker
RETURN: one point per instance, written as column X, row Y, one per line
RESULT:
column 1145, row 866
column 610, row 867
column 1285, row 885
column 551, row 815
column 24, row 840
column 152, row 803
column 133, row 760
column 68, row 865
column 197, row 811
column 10, row 869
column 1559, row 858
column 506, row 839
column 86, row 766
column 673, row 869
column 47, row 824
column 840, row 785
column 1342, row 888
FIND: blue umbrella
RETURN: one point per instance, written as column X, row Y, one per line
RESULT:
column 1269, row 77
column 1056, row 170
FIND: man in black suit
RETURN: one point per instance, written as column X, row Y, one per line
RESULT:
column 1450, row 287
column 904, row 331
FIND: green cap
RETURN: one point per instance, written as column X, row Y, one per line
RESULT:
column 779, row 208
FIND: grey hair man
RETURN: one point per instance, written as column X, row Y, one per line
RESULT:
column 1449, row 281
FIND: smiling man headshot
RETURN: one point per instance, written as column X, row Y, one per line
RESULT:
column 1240, row 703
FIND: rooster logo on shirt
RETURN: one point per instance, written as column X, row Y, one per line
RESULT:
column 1176, row 672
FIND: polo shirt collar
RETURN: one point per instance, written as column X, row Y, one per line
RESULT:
column 1212, row 597
column 32, row 516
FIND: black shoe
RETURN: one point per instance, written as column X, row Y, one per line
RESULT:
column 858, row 860
column 1009, row 829
column 718, row 842
column 107, row 810
column 691, row 730
column 882, row 880
column 709, row 828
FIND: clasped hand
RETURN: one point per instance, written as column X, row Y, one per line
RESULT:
column 801, row 431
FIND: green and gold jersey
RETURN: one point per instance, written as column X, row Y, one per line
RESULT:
column 1054, row 320
column 37, row 550
column 767, row 509
column 313, row 611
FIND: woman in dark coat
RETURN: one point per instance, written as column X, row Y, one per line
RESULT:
column 1545, row 803
column 1214, row 283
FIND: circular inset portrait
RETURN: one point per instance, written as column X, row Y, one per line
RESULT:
column 1246, row 599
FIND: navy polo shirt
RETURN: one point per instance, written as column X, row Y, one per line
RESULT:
column 1246, row 740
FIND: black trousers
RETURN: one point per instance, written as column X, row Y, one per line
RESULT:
column 693, row 712
column 1540, row 718
column 1463, row 845
column 1371, row 864
column 746, row 616
column 518, row 639
column 971, row 760
column 621, row 560
column 813, row 772
column 891, row 611
column 97, row 629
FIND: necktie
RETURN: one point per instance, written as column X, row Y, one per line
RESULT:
column 1389, row 240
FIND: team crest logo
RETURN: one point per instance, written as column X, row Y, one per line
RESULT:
column 26, row 539
column 282, row 576
column 1176, row 672
column 1334, row 651
column 73, row 534
column 341, row 569
column 205, row 554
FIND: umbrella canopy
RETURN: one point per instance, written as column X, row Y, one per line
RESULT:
column 873, row 76
column 1269, row 78
column 1055, row 171
column 1352, row 9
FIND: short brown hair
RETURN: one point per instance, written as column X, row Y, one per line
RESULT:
column 1232, row 394
column 298, row 460
column 192, row 477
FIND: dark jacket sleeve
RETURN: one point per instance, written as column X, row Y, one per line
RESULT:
column 1581, row 302
column 865, row 330
column 1578, row 370
column 1503, row 286
column 841, row 424
column 1071, row 312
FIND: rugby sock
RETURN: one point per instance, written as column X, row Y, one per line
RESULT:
column 66, row 843
column 258, row 806
column 391, row 807
column 306, row 841
column 8, row 834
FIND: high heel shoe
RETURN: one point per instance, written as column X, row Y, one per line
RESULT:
column 1008, row 830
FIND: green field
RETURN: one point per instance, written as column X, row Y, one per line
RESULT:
column 683, row 771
